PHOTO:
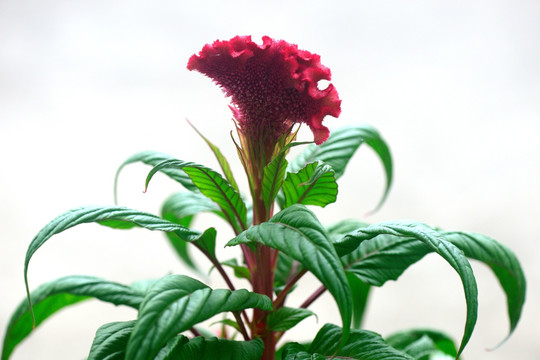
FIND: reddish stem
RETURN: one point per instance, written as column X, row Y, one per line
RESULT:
column 263, row 279
column 195, row 332
column 229, row 283
column 280, row 299
column 263, row 274
column 313, row 297
column 256, row 153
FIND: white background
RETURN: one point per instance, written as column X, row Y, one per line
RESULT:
column 453, row 86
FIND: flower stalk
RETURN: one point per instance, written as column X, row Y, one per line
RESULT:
column 272, row 86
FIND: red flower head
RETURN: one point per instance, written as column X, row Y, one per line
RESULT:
column 272, row 86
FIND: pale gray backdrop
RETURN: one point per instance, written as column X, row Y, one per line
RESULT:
column 453, row 86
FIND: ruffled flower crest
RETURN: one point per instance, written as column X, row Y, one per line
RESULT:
column 272, row 86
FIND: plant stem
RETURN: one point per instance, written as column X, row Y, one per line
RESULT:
column 280, row 299
column 313, row 297
column 248, row 256
column 263, row 281
column 256, row 152
column 263, row 275
column 218, row 266
column 241, row 325
column 195, row 331
column 229, row 283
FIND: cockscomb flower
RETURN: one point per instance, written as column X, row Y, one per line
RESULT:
column 272, row 86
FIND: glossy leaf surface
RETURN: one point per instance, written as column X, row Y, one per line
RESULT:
column 241, row 272
column 386, row 256
column 274, row 174
column 61, row 293
column 502, row 261
column 297, row 232
column 181, row 208
column 360, row 294
column 153, row 158
column 295, row 351
column 176, row 303
column 187, row 204
column 380, row 267
column 200, row 348
column 98, row 214
column 423, row 343
column 361, row 344
column 212, row 185
column 341, row 146
column 286, row 318
column 111, row 340
column 223, row 163
column 315, row 184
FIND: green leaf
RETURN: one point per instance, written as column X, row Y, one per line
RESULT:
column 286, row 318
column 168, row 352
column 200, row 348
column 176, row 303
column 105, row 214
column 207, row 242
column 502, row 261
column 414, row 343
column 360, row 344
column 182, row 250
column 341, row 146
column 187, row 204
column 61, row 293
column 274, row 173
column 223, row 163
column 180, row 208
column 153, row 158
column 379, row 266
column 98, row 214
column 142, row 286
column 423, row 349
column 111, row 340
column 241, row 272
column 117, row 224
column 297, row 232
column 212, row 185
column 315, row 184
column 360, row 294
column 337, row 230
column 383, row 258
column 295, row 351
column 227, row 322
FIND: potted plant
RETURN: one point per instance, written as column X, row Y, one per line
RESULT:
column 273, row 89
